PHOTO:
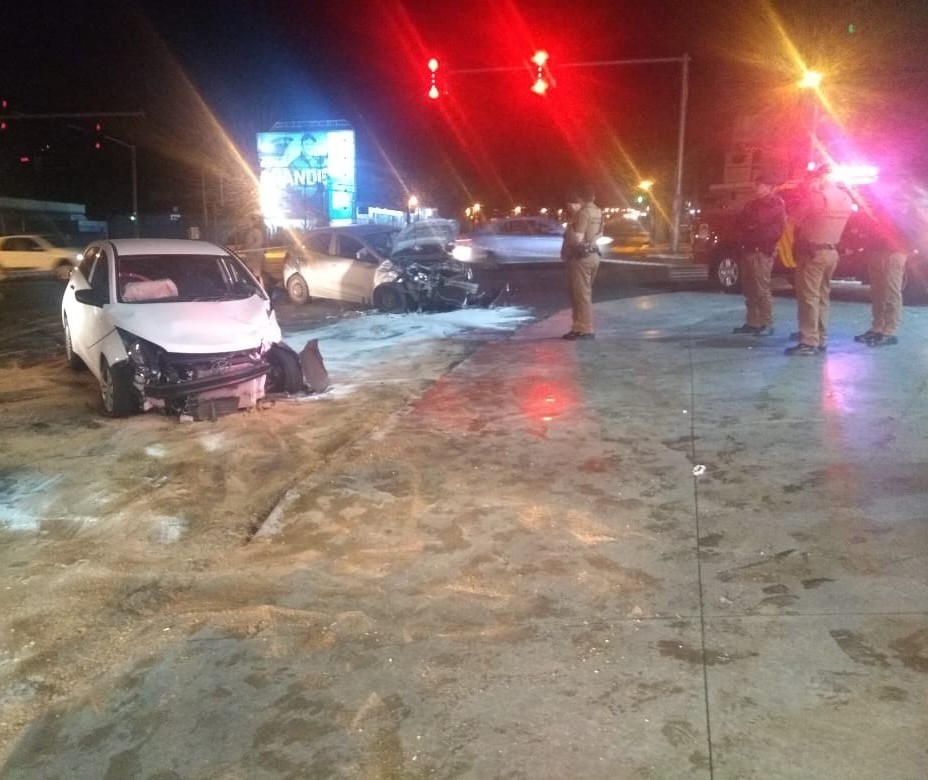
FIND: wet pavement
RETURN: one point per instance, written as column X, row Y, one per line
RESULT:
column 669, row 552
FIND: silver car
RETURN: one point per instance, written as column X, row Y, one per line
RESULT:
column 370, row 264
column 514, row 239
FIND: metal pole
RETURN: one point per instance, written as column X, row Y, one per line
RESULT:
column 205, row 207
column 133, row 154
column 678, row 184
column 684, row 93
column 135, row 190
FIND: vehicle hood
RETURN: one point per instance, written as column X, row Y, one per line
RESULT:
column 431, row 232
column 201, row 326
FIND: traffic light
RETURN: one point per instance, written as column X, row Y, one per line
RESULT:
column 3, row 108
column 433, row 90
column 540, row 58
column 98, row 136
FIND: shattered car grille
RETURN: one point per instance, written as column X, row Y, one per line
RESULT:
column 180, row 374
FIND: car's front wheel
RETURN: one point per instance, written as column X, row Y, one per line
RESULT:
column 390, row 298
column 286, row 374
column 297, row 289
column 726, row 273
column 119, row 397
column 73, row 360
column 63, row 271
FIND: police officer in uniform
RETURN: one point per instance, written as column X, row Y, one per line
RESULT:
column 580, row 254
column 820, row 220
column 888, row 250
column 761, row 224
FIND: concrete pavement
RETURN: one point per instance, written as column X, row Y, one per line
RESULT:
column 669, row 552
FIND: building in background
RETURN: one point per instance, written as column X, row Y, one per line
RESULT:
column 62, row 220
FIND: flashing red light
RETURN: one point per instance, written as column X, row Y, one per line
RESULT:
column 540, row 59
column 24, row 159
column 433, row 89
column 2, row 125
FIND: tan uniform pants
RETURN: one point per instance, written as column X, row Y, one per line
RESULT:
column 756, row 268
column 887, row 270
column 580, row 275
column 813, row 294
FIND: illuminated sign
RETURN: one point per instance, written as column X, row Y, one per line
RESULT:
column 308, row 175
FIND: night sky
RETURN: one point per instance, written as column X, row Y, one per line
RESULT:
column 212, row 74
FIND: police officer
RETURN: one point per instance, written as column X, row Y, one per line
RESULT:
column 761, row 224
column 580, row 254
column 888, row 249
column 820, row 220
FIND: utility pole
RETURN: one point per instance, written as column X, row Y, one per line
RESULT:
column 541, row 85
column 135, row 183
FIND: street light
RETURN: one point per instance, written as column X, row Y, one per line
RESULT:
column 411, row 206
column 812, row 81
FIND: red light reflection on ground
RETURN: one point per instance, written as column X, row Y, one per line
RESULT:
column 840, row 373
column 539, row 386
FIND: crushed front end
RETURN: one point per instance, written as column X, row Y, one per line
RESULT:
column 202, row 386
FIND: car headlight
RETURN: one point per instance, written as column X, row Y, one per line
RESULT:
column 141, row 353
column 463, row 254
column 386, row 272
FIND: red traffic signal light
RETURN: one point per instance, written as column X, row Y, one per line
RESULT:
column 433, row 89
column 98, row 136
column 542, row 76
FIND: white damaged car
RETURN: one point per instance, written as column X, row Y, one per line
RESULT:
column 174, row 324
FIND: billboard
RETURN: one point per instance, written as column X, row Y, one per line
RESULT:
column 308, row 174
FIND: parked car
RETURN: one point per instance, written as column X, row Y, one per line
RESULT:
column 717, row 245
column 37, row 254
column 626, row 233
column 417, row 267
column 174, row 324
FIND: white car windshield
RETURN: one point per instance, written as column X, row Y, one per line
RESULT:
column 162, row 278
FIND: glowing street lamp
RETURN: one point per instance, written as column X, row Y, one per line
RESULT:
column 411, row 205
column 811, row 79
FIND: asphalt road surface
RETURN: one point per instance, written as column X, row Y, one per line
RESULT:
column 30, row 323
